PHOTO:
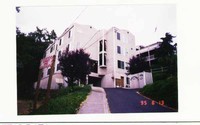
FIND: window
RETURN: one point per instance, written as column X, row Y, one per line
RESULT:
column 58, row 66
column 104, row 58
column 118, row 49
column 127, row 80
column 120, row 64
column 102, row 45
column 118, row 36
column 69, row 34
column 67, row 48
column 60, row 42
column 59, row 54
column 49, row 71
column 93, row 65
column 56, row 46
column 102, row 55
column 100, row 59
column 51, row 49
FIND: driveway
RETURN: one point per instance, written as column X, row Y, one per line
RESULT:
column 128, row 101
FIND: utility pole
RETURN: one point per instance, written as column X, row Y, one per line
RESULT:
column 50, row 80
column 37, row 90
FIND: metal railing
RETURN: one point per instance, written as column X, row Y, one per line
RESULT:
column 158, row 70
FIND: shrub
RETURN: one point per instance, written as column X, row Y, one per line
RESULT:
column 166, row 90
column 160, row 76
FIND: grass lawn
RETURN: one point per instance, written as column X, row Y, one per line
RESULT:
column 65, row 101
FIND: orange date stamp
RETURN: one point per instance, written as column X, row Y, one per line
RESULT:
column 145, row 102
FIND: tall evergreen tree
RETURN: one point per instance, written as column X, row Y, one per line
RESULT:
column 167, row 53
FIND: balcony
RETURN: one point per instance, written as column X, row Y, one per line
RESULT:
column 149, row 58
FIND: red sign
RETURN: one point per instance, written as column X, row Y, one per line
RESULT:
column 46, row 62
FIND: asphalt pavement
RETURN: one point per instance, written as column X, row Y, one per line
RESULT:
column 129, row 101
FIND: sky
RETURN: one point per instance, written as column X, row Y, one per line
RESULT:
column 147, row 22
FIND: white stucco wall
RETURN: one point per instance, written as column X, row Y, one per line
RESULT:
column 107, row 81
column 141, row 79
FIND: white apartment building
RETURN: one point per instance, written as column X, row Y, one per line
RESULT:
column 110, row 51
column 148, row 52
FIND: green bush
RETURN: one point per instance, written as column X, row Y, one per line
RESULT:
column 166, row 90
column 160, row 76
column 65, row 101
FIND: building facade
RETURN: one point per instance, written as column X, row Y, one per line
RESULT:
column 110, row 51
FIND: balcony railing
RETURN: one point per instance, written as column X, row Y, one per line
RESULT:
column 148, row 58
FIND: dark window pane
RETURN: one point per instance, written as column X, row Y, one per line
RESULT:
column 60, row 41
column 48, row 72
column 101, row 46
column 119, row 63
column 94, row 66
column 118, row 49
column 69, row 34
column 122, row 64
column 67, row 48
column 100, row 59
column 104, row 45
column 127, row 80
column 51, row 49
column 104, row 59
column 59, row 54
column 118, row 36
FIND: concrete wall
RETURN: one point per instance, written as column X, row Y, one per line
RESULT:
column 141, row 79
column 57, row 78
column 107, row 81
column 149, row 78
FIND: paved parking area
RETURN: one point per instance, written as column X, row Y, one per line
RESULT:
column 128, row 101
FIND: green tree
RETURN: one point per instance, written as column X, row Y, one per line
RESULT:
column 137, row 64
column 166, row 48
column 43, row 35
column 167, row 53
column 75, row 65
column 29, row 54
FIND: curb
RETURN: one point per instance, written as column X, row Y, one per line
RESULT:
column 105, row 102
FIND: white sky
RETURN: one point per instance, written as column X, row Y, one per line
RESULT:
column 141, row 20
